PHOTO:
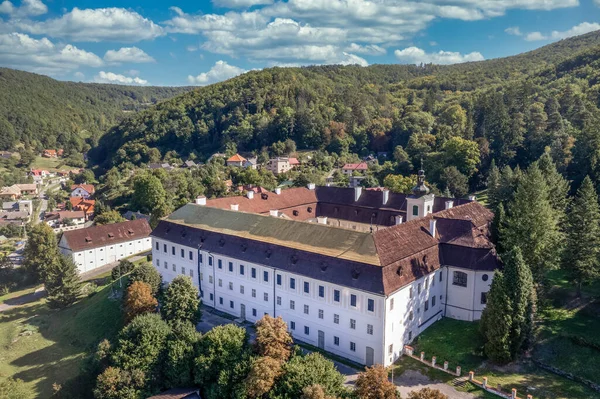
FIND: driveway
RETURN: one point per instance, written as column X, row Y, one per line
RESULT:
column 408, row 382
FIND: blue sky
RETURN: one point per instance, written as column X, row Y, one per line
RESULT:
column 205, row 41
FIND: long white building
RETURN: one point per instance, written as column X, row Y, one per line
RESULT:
column 361, row 291
column 97, row 246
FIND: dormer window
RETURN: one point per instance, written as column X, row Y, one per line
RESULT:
column 111, row 235
column 295, row 213
column 88, row 239
column 309, row 209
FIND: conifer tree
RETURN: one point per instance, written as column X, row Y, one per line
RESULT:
column 582, row 252
column 532, row 224
column 519, row 288
column 62, row 283
column 558, row 186
column 493, row 185
column 496, row 321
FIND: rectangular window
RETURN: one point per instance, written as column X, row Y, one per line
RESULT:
column 484, row 298
column 336, row 319
column 336, row 341
column 231, row 304
column 200, row 258
column 390, row 349
column 201, row 276
column 157, row 245
column 279, row 279
column 353, row 324
column 292, row 325
column 426, row 282
column 352, row 346
column 415, row 210
column 166, row 265
column 460, row 279
column 292, row 305
column 353, row 300
column 172, row 249
column 441, row 273
column 253, row 272
column 220, row 263
column 211, row 297
column 321, row 291
column 182, row 270
column 220, row 300
column 191, row 255
column 419, row 288
column 306, row 330
column 182, row 253
column 279, row 300
column 410, row 292
column 427, row 304
column 370, row 305
column 253, row 293
column 370, row 329
column 242, row 270
column 174, row 267
column 292, row 283
column 220, row 283
column 210, row 260
column 392, row 304
column 210, row 279
column 164, row 248
column 191, row 272
column 320, row 313
column 231, row 286
column 306, row 287
column 266, row 297
column 433, row 300
column 241, row 289
column 231, row 267
column 266, row 277
column 336, row 295
column 305, row 309
column 254, row 312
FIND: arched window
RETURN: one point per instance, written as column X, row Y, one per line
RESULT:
column 460, row 279
column 415, row 210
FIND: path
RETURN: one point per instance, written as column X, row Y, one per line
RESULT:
column 407, row 382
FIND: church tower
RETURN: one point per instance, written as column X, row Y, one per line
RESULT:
column 420, row 203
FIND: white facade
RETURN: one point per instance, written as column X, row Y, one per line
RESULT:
column 361, row 326
column 80, row 192
column 92, row 258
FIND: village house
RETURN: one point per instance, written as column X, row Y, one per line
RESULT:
column 16, row 191
column 50, row 154
column 359, row 273
column 236, row 160
column 82, row 190
column 83, row 204
column 96, row 246
column 65, row 220
column 282, row 165
column 349, row 168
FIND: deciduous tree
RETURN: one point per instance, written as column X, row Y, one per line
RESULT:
column 180, row 301
column 273, row 339
column 373, row 383
column 116, row 383
column 147, row 273
column 427, row 393
column 139, row 300
column 180, row 354
column 261, row 378
column 303, row 371
column 41, row 251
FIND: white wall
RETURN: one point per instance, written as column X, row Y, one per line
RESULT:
column 464, row 303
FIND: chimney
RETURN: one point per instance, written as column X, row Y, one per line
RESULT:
column 274, row 212
column 449, row 204
column 322, row 219
column 357, row 193
column 235, row 207
column 472, row 198
column 386, row 196
column 398, row 219
column 201, row 200
column 278, row 190
column 311, row 186
column 250, row 194
column 432, row 224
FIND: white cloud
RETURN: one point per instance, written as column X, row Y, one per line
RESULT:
column 369, row 49
column 219, row 72
column 79, row 75
column 28, row 8
column 109, row 77
column 514, row 30
column 415, row 55
column 21, row 51
column 127, row 54
column 240, row 3
column 94, row 25
column 582, row 28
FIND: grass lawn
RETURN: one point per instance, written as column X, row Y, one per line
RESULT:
column 50, row 164
column 458, row 342
column 42, row 346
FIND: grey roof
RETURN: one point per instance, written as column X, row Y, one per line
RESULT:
column 138, row 215
column 7, row 206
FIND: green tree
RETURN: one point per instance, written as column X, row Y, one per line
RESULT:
column 149, row 194
column 496, row 321
column 108, row 218
column 582, row 252
column 125, row 266
column 116, row 383
column 399, row 183
column 531, row 224
column 455, row 181
column 264, row 371
column 41, row 252
column 180, row 301
column 427, row 393
column 303, row 371
column 223, row 361
column 463, row 154
column 62, row 282
column 180, row 354
column 146, row 273
column 141, row 346
column 557, row 185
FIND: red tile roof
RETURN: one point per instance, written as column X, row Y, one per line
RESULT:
column 293, row 161
column 97, row 236
column 236, row 158
column 87, row 187
column 356, row 166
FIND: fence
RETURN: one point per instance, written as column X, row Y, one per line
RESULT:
column 409, row 351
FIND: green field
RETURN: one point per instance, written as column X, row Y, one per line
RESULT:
column 459, row 343
column 42, row 347
column 51, row 164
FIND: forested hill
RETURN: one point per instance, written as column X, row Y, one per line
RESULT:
column 512, row 108
column 38, row 110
